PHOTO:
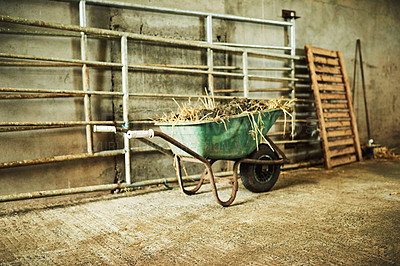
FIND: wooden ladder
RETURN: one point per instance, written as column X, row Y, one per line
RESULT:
column 337, row 123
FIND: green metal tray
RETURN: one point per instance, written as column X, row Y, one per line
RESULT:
column 231, row 139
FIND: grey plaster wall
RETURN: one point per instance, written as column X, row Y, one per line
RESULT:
column 326, row 23
column 336, row 25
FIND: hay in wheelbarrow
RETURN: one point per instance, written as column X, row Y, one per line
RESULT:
column 209, row 111
column 229, row 130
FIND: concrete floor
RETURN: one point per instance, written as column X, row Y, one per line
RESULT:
column 348, row 215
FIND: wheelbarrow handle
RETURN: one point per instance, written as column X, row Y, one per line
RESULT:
column 138, row 134
column 142, row 134
column 112, row 129
column 132, row 134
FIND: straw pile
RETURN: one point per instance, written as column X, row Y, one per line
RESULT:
column 209, row 111
column 385, row 153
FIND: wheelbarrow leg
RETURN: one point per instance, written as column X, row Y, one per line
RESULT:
column 177, row 162
column 234, row 187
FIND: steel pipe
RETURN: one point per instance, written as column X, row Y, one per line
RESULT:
column 125, row 105
column 38, row 33
column 38, row 64
column 135, row 36
column 293, row 72
column 181, row 12
column 85, row 77
column 145, row 95
column 71, row 92
column 60, row 158
column 245, row 74
column 24, row 128
column 36, row 96
column 210, row 55
column 77, row 123
column 258, row 77
column 138, row 66
column 77, row 61
column 60, row 123
column 87, row 189
column 253, row 46
column 209, row 72
column 254, row 90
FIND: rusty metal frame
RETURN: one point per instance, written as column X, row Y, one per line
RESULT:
column 208, row 172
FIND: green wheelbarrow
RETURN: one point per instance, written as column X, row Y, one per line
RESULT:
column 241, row 139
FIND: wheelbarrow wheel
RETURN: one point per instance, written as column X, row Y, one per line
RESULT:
column 258, row 177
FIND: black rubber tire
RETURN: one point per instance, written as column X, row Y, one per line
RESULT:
column 257, row 177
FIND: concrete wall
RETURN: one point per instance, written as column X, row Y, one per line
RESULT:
column 329, row 24
column 336, row 25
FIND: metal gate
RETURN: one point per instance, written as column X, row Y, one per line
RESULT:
column 244, row 55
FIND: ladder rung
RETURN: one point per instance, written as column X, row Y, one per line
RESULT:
column 332, row 96
column 340, row 152
column 328, row 78
column 332, row 124
column 343, row 160
column 330, row 87
column 330, row 70
column 336, row 115
column 325, row 52
column 339, row 133
column 340, row 142
column 335, row 106
column 326, row 61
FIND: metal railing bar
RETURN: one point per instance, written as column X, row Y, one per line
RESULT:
column 256, row 46
column 40, row 33
column 146, row 95
column 125, row 105
column 85, row 78
column 72, row 92
column 135, row 36
column 42, row 64
column 135, row 94
column 253, row 90
column 60, row 123
column 288, row 121
column 77, row 61
column 39, row 64
column 106, row 187
column 258, row 77
column 265, row 54
column 21, row 126
column 142, row 66
column 270, row 68
column 26, row 128
column 71, row 35
column 181, row 12
column 60, row 158
column 177, row 70
column 117, row 65
column 37, row 96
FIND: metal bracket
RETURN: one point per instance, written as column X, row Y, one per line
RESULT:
column 289, row 14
